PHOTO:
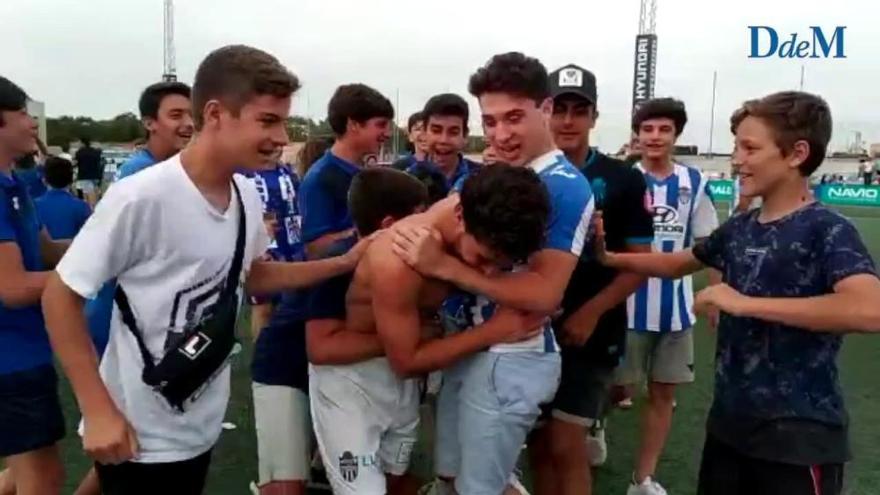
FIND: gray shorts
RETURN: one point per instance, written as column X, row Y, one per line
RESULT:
column 659, row 357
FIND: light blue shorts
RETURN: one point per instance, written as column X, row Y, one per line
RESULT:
column 486, row 408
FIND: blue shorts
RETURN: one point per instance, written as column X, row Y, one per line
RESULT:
column 486, row 408
column 30, row 412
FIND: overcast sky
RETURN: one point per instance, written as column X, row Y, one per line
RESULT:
column 93, row 57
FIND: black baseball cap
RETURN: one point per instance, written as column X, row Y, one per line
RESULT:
column 572, row 79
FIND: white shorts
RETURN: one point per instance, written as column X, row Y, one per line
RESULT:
column 87, row 186
column 366, row 421
column 284, row 433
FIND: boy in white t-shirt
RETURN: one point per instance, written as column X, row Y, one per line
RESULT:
column 168, row 236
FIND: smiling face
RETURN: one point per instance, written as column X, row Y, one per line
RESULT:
column 760, row 162
column 173, row 126
column 446, row 137
column 656, row 138
column 252, row 138
column 515, row 126
column 369, row 136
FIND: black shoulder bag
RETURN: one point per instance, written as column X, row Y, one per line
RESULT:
column 204, row 350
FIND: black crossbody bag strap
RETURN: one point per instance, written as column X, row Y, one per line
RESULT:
column 228, row 290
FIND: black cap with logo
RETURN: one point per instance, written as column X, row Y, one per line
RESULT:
column 571, row 79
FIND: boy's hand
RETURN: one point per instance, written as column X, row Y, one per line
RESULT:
column 108, row 438
column 722, row 297
column 600, row 252
column 353, row 256
column 421, row 248
column 576, row 333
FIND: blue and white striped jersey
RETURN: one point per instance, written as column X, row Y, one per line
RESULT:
column 683, row 212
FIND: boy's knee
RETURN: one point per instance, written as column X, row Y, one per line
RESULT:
column 661, row 393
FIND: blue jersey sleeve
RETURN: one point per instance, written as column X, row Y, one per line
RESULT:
column 132, row 167
column 571, row 210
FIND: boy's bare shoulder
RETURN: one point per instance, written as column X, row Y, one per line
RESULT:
column 387, row 270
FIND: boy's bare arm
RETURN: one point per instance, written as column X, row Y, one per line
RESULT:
column 328, row 342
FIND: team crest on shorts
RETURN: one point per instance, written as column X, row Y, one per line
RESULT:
column 684, row 195
column 348, row 466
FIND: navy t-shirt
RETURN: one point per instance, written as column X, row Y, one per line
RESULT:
column 24, row 343
column 327, row 299
column 62, row 213
column 619, row 192
column 89, row 164
column 777, row 394
column 323, row 197
column 280, row 356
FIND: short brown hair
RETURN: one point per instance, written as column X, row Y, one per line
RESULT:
column 381, row 192
column 793, row 116
column 234, row 74
column 357, row 102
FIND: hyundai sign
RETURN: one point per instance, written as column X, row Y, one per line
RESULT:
column 645, row 72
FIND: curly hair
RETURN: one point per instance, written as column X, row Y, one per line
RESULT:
column 512, row 73
column 506, row 208
column 661, row 108
column 793, row 116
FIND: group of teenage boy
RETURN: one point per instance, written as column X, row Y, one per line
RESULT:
column 532, row 283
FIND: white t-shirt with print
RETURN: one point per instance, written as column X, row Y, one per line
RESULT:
column 171, row 252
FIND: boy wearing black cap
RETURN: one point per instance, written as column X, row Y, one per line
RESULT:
column 593, row 322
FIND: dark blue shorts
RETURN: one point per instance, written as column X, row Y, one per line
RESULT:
column 30, row 412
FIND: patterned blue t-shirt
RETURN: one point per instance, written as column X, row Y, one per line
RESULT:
column 777, row 394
